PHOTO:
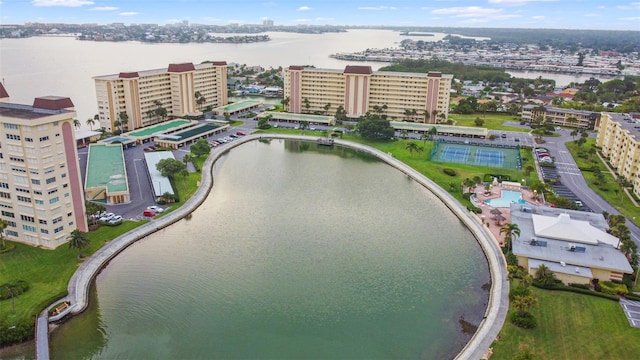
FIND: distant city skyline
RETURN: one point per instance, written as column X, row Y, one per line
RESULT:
column 555, row 14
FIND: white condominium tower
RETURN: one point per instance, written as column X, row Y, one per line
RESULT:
column 416, row 97
column 180, row 89
column 41, row 196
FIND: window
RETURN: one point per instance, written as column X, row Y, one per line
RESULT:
column 13, row 137
column 10, row 126
column 11, row 233
column 57, row 220
column 29, row 228
column 43, row 222
column 28, row 139
column 44, row 231
column 58, row 229
column 44, row 138
column 22, row 190
column 39, row 202
column 35, row 181
column 5, row 195
column 27, row 218
column 51, row 180
column 52, row 191
column 24, row 198
column 69, row 214
column 7, row 214
column 54, row 200
column 4, row 185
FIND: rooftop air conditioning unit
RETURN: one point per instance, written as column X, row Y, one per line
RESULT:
column 572, row 247
column 563, row 263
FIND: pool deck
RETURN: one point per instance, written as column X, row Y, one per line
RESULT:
column 486, row 215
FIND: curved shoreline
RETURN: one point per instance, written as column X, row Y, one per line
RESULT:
column 495, row 314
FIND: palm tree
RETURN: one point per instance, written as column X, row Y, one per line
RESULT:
column 124, row 120
column 511, row 232
column 523, row 302
column 411, row 147
column 91, row 122
column 434, row 115
column 76, row 123
column 3, row 225
column 326, row 108
column 404, row 133
column 117, row 123
column 544, row 276
column 78, row 240
column 285, row 103
column 307, row 104
column 424, row 137
column 432, row 132
column 469, row 184
column 150, row 113
column 200, row 100
column 573, row 134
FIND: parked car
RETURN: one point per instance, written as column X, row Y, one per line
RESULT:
column 107, row 217
column 233, row 136
column 150, row 148
column 116, row 220
column 240, row 133
column 221, row 140
column 149, row 213
column 155, row 208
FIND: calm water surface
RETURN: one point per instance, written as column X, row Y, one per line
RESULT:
column 299, row 251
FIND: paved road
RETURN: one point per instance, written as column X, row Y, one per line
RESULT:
column 572, row 178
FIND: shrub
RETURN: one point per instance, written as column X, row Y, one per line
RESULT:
column 518, row 291
column 474, row 209
column 609, row 287
column 580, row 286
column 13, row 333
column 449, row 172
column 512, row 259
column 17, row 287
column 523, row 320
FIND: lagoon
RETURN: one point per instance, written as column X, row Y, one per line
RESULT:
column 299, row 251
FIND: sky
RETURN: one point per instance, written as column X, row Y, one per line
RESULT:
column 555, row 14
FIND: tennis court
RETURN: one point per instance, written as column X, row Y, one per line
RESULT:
column 499, row 157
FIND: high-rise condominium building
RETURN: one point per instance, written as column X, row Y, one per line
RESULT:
column 619, row 138
column 416, row 97
column 134, row 99
column 41, row 196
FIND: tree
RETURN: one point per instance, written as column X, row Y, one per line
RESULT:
column 200, row 147
column 170, row 167
column 3, row 225
column 573, row 134
column 341, row 114
column 511, row 232
column 523, row 302
column 545, row 277
column 412, row 146
column 78, row 240
column 469, row 184
column 478, row 121
column 150, row 113
column 91, row 122
column 375, row 127
column 326, row 108
column 404, row 133
column 116, row 124
column 76, row 123
column 285, row 103
column 307, row 104
column 432, row 132
column 124, row 120
column 200, row 100
column 188, row 157
column 92, row 208
column 303, row 125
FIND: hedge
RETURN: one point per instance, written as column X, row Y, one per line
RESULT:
column 562, row 287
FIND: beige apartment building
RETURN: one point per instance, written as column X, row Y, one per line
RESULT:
column 619, row 138
column 402, row 96
column 41, row 196
column 561, row 117
column 139, row 94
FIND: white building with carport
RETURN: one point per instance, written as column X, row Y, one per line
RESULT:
column 160, row 184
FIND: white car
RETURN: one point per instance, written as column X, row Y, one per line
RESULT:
column 156, row 209
column 115, row 220
column 107, row 217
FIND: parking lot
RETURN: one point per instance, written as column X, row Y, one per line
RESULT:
column 552, row 176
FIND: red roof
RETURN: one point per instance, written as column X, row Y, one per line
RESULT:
column 296, row 67
column 3, row 92
column 434, row 74
column 357, row 69
column 219, row 63
column 181, row 67
column 128, row 75
column 52, row 103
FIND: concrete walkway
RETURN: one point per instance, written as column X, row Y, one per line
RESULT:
column 495, row 314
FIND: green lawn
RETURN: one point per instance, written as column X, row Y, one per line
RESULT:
column 571, row 326
column 48, row 271
column 610, row 191
column 491, row 121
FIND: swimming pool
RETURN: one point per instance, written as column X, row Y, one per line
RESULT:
column 506, row 198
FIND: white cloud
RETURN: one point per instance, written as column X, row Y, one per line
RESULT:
column 376, row 8
column 538, row 17
column 630, row 6
column 474, row 11
column 635, row 18
column 516, row 2
column 324, row 19
column 65, row 3
column 303, row 8
column 105, row 8
column 128, row 13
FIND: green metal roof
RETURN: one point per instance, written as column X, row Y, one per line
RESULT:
column 105, row 167
column 296, row 117
column 238, row 106
column 162, row 127
column 403, row 125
